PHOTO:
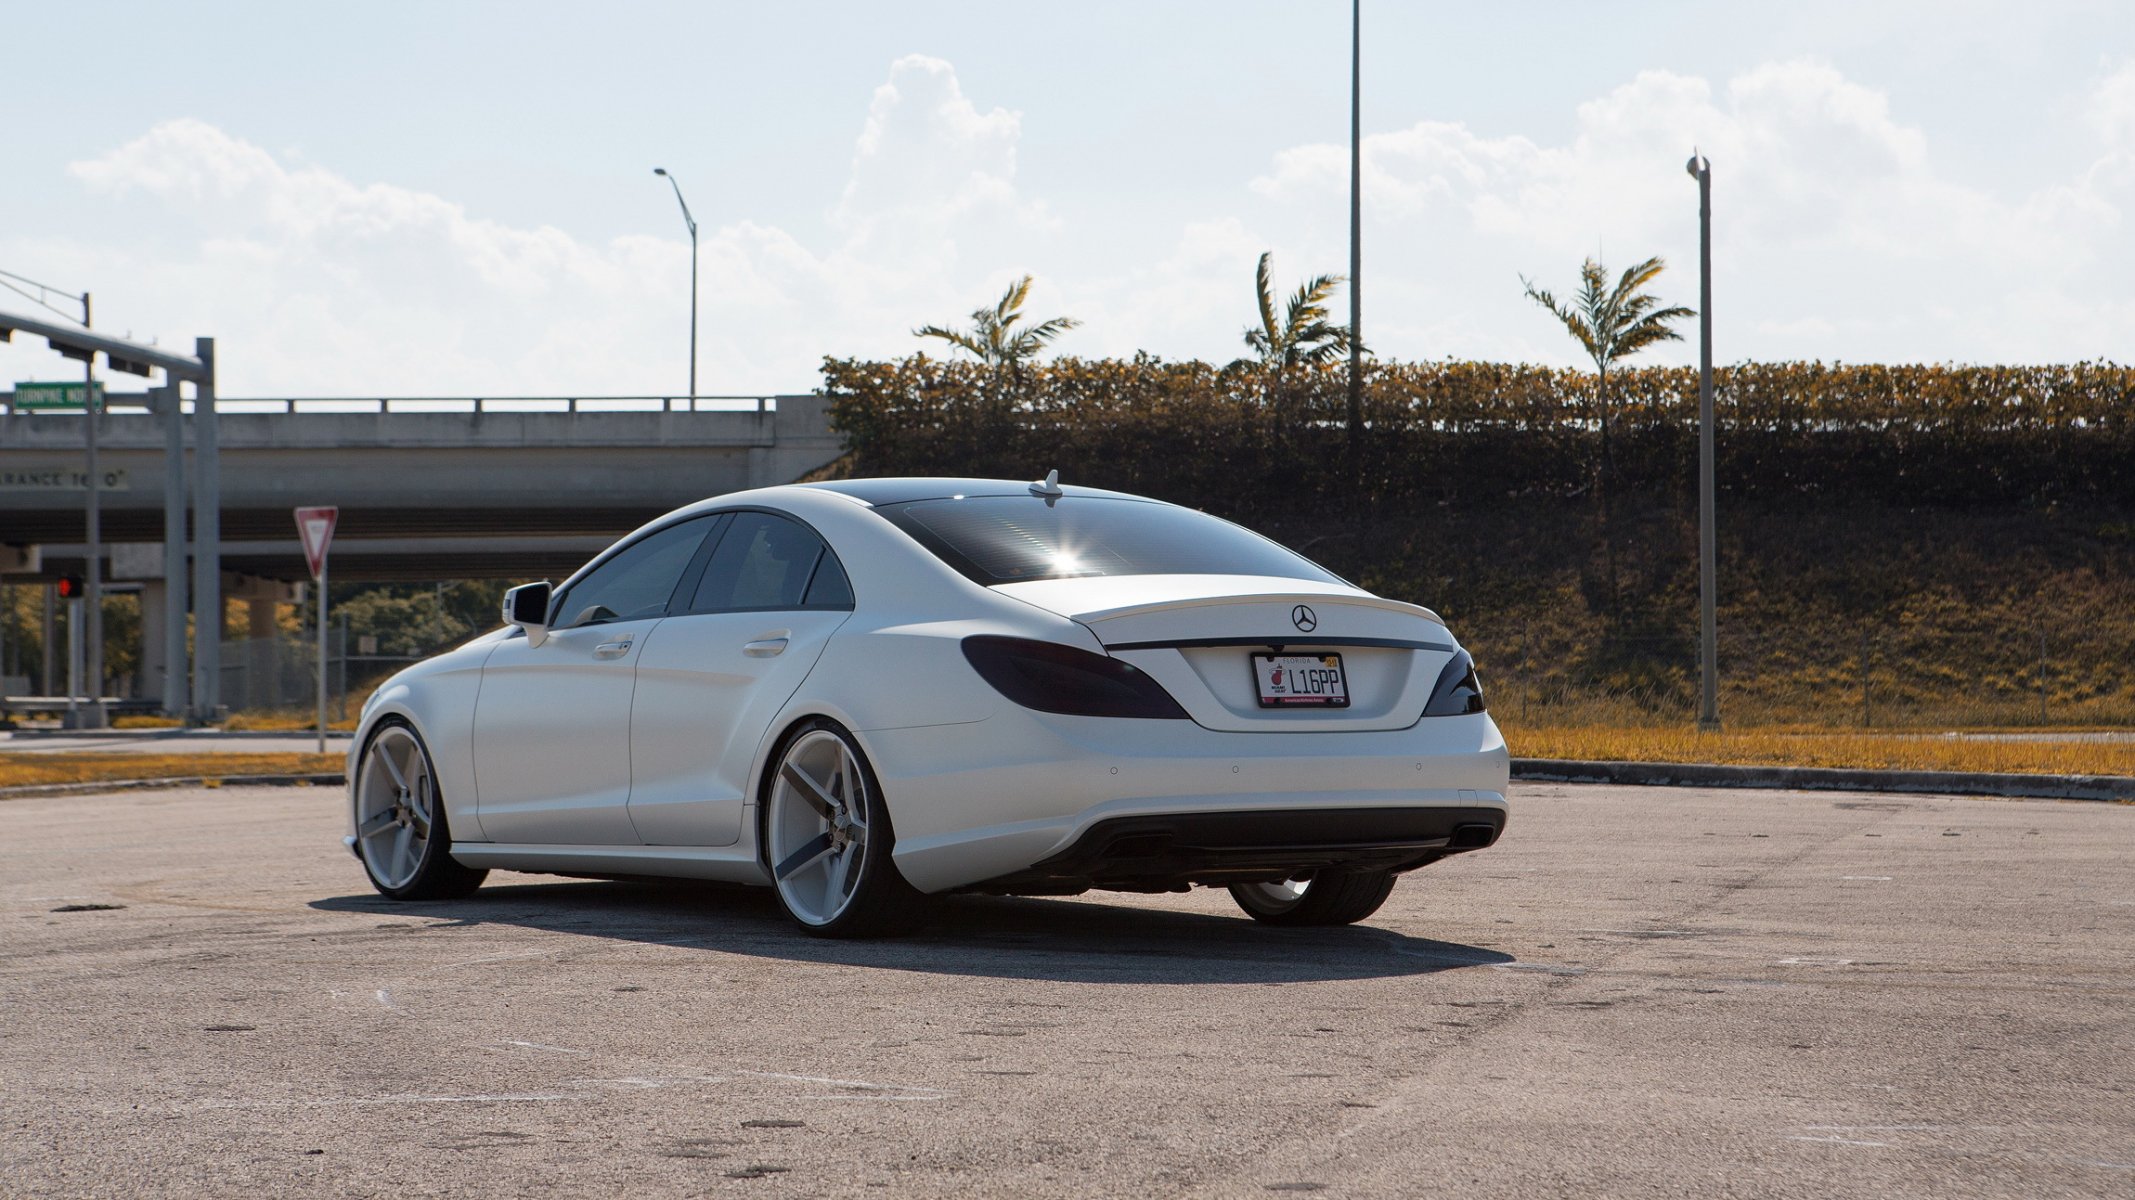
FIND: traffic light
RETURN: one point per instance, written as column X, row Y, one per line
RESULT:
column 70, row 587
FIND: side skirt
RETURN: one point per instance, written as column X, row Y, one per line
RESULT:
column 728, row 864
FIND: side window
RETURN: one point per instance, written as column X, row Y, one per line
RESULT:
column 637, row 582
column 768, row 562
column 830, row 588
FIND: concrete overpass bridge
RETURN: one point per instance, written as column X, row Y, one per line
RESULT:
column 520, row 488
column 428, row 489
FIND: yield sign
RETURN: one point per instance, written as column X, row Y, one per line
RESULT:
column 316, row 527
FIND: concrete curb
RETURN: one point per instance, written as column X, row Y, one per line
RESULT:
column 327, row 779
column 173, row 735
column 2108, row 788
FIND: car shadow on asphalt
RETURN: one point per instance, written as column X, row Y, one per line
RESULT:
column 989, row 936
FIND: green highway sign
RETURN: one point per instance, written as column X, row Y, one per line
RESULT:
column 52, row 396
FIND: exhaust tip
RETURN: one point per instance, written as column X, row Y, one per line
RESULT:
column 1472, row 837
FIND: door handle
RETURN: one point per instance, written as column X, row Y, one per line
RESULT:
column 611, row 649
column 764, row 647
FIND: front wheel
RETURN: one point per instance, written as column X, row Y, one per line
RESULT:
column 827, row 839
column 401, row 832
column 1324, row 898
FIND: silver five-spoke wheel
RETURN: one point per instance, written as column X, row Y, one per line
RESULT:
column 395, row 800
column 818, row 827
column 402, row 832
column 827, row 838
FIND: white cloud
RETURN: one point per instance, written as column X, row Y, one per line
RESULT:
column 927, row 156
column 316, row 284
column 1835, row 234
column 2113, row 109
column 1836, row 237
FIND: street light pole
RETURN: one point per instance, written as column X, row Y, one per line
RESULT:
column 692, row 223
column 93, row 576
column 1700, row 169
column 1356, row 227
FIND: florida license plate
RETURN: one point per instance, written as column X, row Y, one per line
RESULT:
column 1300, row 681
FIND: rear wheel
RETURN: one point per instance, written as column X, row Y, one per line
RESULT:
column 401, row 831
column 827, row 839
column 1324, row 898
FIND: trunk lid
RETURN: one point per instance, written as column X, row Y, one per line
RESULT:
column 1196, row 634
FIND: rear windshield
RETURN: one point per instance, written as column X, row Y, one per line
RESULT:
column 1014, row 539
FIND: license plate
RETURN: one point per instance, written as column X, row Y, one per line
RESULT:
column 1300, row 681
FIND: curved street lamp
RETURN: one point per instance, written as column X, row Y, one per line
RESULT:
column 1700, row 169
column 1356, row 228
column 692, row 223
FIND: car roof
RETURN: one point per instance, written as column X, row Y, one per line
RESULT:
column 877, row 492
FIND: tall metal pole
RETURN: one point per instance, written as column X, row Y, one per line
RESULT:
column 1356, row 225
column 322, row 655
column 173, row 631
column 1708, row 624
column 692, row 223
column 74, row 651
column 693, row 316
column 93, row 574
column 207, row 542
column 48, row 670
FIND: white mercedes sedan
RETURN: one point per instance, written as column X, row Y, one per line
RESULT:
column 866, row 693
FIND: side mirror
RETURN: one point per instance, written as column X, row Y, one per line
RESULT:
column 527, row 606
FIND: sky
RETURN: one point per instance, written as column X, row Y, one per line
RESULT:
column 457, row 199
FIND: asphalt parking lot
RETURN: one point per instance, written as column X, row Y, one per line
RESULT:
column 1638, row 992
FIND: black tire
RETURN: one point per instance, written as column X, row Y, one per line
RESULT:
column 880, row 902
column 1328, row 898
column 436, row 875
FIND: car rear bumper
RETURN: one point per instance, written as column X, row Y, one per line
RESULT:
column 1035, row 801
column 1171, row 852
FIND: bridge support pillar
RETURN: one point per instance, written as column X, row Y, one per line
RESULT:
column 169, row 636
column 207, row 543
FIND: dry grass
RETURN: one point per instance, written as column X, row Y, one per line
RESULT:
column 287, row 720
column 18, row 770
column 137, row 721
column 1886, row 751
column 300, row 717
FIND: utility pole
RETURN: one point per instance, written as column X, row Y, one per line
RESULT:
column 1700, row 168
column 48, row 670
column 93, row 575
column 207, row 541
column 74, row 653
column 1356, row 230
column 172, row 410
column 692, row 223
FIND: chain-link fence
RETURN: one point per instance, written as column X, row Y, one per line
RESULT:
column 282, row 672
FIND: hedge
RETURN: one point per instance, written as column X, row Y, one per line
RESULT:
column 1232, row 438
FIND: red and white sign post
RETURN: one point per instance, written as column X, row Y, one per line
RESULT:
column 315, row 528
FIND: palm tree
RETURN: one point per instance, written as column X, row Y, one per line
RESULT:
column 993, row 338
column 1611, row 324
column 1303, row 337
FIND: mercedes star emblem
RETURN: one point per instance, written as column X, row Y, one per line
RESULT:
column 1304, row 618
